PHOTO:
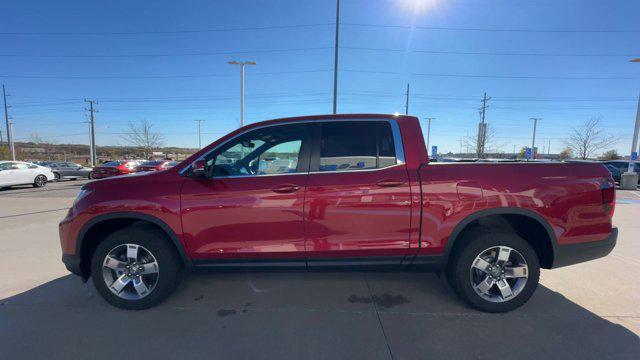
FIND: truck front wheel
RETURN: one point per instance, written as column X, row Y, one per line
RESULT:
column 494, row 270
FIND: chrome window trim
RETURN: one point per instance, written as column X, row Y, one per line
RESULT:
column 395, row 131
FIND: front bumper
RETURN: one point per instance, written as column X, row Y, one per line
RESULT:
column 576, row 253
column 72, row 262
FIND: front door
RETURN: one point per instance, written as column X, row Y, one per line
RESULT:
column 358, row 196
column 249, row 206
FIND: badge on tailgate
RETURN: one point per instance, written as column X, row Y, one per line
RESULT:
column 469, row 190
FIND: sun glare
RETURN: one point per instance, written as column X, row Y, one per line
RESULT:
column 416, row 6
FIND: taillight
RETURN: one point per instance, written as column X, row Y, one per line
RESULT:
column 608, row 189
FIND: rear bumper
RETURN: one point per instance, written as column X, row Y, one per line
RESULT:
column 576, row 253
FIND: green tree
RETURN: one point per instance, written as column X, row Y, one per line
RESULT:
column 565, row 154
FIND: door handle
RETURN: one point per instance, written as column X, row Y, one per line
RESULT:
column 390, row 182
column 285, row 189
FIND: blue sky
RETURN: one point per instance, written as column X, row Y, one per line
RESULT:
column 54, row 54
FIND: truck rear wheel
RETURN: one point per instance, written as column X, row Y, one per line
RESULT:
column 494, row 270
column 135, row 268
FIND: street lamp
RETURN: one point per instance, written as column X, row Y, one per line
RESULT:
column 629, row 179
column 242, row 65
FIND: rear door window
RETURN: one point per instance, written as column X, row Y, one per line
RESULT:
column 354, row 146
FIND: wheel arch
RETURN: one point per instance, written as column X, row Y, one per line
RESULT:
column 528, row 224
column 96, row 229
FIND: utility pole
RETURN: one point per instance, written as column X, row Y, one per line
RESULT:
column 549, row 148
column 533, row 140
column 335, row 60
column 92, row 134
column 482, row 128
column 6, row 119
column 406, row 102
column 242, row 65
column 199, row 133
column 428, row 131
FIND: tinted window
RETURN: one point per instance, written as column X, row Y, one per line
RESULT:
column 152, row 163
column 113, row 163
column 272, row 150
column 6, row 166
column 21, row 166
column 347, row 146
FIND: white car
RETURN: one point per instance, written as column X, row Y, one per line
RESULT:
column 24, row 173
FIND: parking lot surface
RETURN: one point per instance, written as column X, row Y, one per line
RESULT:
column 586, row 311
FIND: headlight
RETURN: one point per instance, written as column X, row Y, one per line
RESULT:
column 82, row 194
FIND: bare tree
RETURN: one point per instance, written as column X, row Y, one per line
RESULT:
column 142, row 135
column 489, row 146
column 588, row 138
column 39, row 140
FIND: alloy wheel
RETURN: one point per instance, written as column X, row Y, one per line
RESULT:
column 41, row 180
column 130, row 271
column 499, row 274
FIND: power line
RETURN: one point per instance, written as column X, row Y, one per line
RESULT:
column 312, row 25
column 193, row 31
column 230, row 52
column 444, row 28
column 78, row 77
column 83, row 77
column 485, row 52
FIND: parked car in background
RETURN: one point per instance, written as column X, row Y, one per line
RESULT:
column 156, row 165
column 69, row 170
column 339, row 190
column 615, row 172
column 623, row 165
column 115, row 168
column 24, row 173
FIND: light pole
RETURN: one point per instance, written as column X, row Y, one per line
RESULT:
column 199, row 136
column 335, row 60
column 242, row 65
column 629, row 179
column 533, row 140
column 428, row 131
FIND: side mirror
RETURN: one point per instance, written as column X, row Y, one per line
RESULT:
column 198, row 167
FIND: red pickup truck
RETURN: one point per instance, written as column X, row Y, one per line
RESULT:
column 339, row 190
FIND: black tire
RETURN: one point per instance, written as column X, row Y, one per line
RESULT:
column 473, row 243
column 56, row 176
column 40, row 181
column 90, row 176
column 157, row 243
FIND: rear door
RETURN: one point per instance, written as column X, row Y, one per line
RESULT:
column 357, row 206
column 23, row 173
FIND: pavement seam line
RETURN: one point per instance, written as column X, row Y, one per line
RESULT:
column 375, row 307
column 32, row 213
